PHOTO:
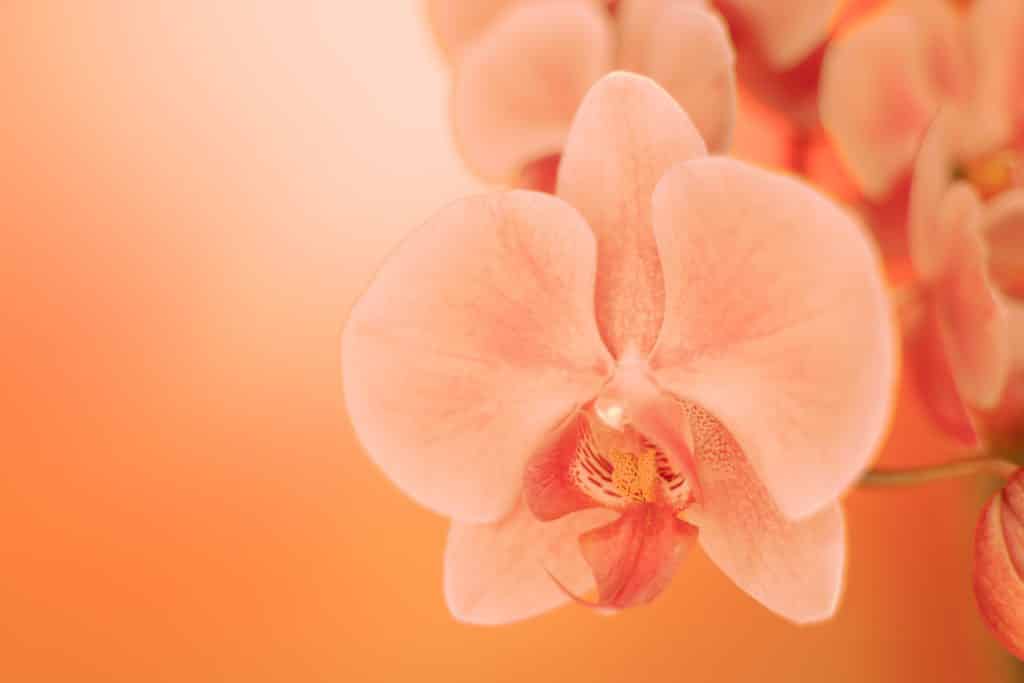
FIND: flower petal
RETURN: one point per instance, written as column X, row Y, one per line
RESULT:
column 877, row 98
column 973, row 318
column 928, row 357
column 1003, row 228
column 787, row 32
column 996, row 29
column 999, row 565
column 777, row 322
column 627, row 133
column 548, row 488
column 475, row 340
column 635, row 557
column 518, row 86
column 793, row 568
column 686, row 49
column 456, row 22
column 500, row 573
column 930, row 234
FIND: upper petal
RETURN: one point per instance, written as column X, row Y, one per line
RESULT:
column 500, row 573
column 518, row 86
column 475, row 340
column 626, row 134
column 787, row 32
column 777, row 322
column 877, row 98
column 793, row 568
column 686, row 49
column 999, row 564
column 996, row 29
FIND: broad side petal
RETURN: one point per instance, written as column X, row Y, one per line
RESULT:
column 686, row 50
column 503, row 572
column 787, row 31
column 877, row 99
column 996, row 29
column 474, row 341
column 999, row 565
column 777, row 322
column 626, row 134
column 793, row 568
column 519, row 85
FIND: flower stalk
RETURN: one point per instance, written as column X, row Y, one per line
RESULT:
column 878, row 478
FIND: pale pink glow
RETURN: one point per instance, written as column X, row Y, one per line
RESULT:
column 675, row 348
column 999, row 564
column 884, row 81
column 519, row 82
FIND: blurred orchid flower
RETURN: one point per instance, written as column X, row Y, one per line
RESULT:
column 674, row 347
column 518, row 84
column 779, row 48
column 885, row 80
column 966, row 322
column 999, row 564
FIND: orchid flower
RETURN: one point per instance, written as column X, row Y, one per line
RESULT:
column 885, row 80
column 519, row 83
column 999, row 564
column 674, row 348
column 779, row 48
column 965, row 318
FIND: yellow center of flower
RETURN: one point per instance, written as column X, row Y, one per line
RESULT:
column 994, row 173
column 633, row 475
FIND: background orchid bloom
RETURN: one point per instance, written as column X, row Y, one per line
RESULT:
column 674, row 347
column 779, row 48
column 965, row 316
column 999, row 564
column 884, row 81
column 456, row 23
column 519, row 83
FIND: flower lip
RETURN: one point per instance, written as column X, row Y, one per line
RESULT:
column 604, row 456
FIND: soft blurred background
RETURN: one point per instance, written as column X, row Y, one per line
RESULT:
column 192, row 194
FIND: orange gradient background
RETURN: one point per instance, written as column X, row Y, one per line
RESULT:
column 192, row 194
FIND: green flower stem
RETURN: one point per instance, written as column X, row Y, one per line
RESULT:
column 947, row 470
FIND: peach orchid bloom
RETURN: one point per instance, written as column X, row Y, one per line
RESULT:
column 999, row 564
column 779, row 48
column 966, row 321
column 519, row 83
column 885, row 80
column 673, row 347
